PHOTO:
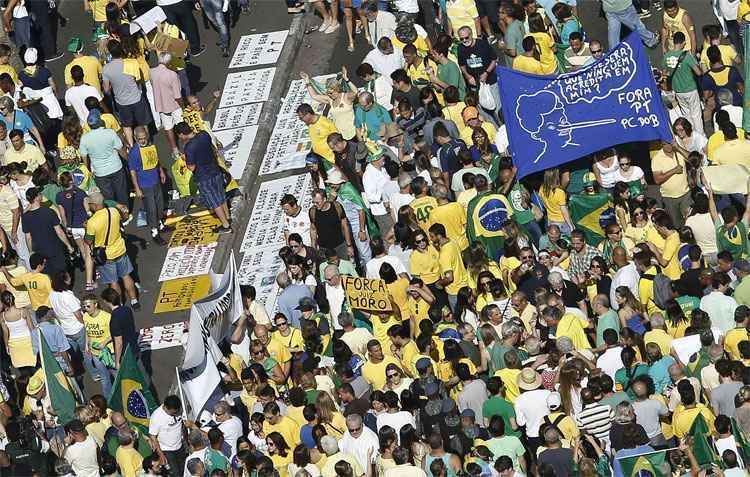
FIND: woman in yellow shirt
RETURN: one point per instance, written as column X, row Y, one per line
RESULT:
column 329, row 416
column 638, row 228
column 545, row 44
column 477, row 262
column 397, row 288
column 424, row 262
column 280, row 453
column 555, row 201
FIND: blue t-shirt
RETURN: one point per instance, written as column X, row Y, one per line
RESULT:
column 199, row 152
column 72, row 202
column 22, row 122
column 145, row 166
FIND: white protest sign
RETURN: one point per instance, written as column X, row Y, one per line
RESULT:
column 163, row 336
column 259, row 269
column 287, row 146
column 237, row 116
column 265, row 228
column 237, row 144
column 187, row 261
column 258, row 49
column 247, row 87
column 148, row 21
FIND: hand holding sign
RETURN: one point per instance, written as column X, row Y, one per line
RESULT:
column 367, row 294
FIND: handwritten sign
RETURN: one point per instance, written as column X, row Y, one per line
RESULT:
column 163, row 336
column 287, row 146
column 258, row 49
column 259, row 269
column 187, row 261
column 237, row 144
column 176, row 295
column 366, row 293
column 237, row 116
column 247, row 87
column 195, row 231
column 266, row 225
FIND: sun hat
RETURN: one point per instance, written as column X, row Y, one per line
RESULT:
column 30, row 56
column 36, row 382
column 335, row 177
column 529, row 379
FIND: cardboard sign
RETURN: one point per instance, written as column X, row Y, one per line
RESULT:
column 161, row 337
column 187, row 261
column 176, row 295
column 148, row 21
column 195, row 231
column 175, row 46
column 367, row 294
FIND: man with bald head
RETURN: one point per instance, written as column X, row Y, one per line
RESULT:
column 627, row 275
column 276, row 349
column 119, row 424
column 677, row 373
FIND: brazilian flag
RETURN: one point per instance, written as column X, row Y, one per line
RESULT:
column 653, row 464
column 486, row 214
column 130, row 394
column 734, row 240
column 703, row 447
column 742, row 440
column 591, row 213
column 59, row 389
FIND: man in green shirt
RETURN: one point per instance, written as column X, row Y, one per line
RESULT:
column 345, row 266
column 497, row 405
column 519, row 199
column 682, row 66
column 448, row 73
column 607, row 318
column 742, row 291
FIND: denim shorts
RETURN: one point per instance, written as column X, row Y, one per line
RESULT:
column 113, row 270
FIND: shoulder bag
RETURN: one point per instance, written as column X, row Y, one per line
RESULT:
column 100, row 253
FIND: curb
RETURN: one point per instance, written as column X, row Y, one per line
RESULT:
column 249, row 182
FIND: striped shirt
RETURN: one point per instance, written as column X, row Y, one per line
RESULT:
column 595, row 419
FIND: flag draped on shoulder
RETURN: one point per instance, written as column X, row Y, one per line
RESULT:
column 59, row 388
column 652, row 464
column 592, row 213
column 130, row 393
column 703, row 447
column 486, row 214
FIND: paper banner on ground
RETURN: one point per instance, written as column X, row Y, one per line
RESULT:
column 237, row 145
column 258, row 49
column 187, row 261
column 297, row 94
column 237, row 116
column 287, row 146
column 265, row 228
column 367, row 293
column 176, row 295
column 195, row 231
column 163, row 336
column 259, row 269
column 247, row 87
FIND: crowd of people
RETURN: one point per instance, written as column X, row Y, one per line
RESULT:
column 516, row 341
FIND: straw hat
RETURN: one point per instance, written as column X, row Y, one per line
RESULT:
column 529, row 379
column 36, row 383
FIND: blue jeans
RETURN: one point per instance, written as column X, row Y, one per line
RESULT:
column 212, row 8
column 22, row 30
column 98, row 370
column 628, row 17
column 78, row 346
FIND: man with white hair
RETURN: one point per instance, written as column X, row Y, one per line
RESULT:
column 167, row 96
column 566, row 290
column 334, row 293
column 229, row 425
column 331, row 447
column 359, row 441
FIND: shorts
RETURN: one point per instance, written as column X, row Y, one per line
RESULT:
column 77, row 233
column 136, row 114
column 212, row 191
column 489, row 9
column 113, row 270
column 168, row 120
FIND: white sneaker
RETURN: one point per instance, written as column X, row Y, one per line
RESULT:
column 323, row 26
column 332, row 28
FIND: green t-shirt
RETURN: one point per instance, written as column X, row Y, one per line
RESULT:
column 521, row 210
column 683, row 80
column 497, row 406
column 734, row 240
column 622, row 381
column 497, row 356
column 688, row 304
column 606, row 321
column 449, row 73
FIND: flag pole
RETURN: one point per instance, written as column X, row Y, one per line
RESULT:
column 658, row 451
column 179, row 390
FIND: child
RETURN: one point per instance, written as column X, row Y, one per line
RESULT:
column 129, row 460
column 147, row 176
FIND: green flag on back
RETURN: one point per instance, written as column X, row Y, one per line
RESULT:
column 486, row 214
column 59, row 388
column 591, row 214
column 703, row 448
column 130, row 393
column 651, row 464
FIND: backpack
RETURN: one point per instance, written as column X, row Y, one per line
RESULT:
column 662, row 288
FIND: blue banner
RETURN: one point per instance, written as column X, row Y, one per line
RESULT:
column 553, row 120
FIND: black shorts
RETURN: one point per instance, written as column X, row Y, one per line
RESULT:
column 489, row 9
column 136, row 114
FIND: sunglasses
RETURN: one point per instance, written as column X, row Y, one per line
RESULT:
column 422, row 240
column 594, row 52
column 389, row 376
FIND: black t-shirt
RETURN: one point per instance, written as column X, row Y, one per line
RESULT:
column 477, row 59
column 40, row 223
column 691, row 280
column 560, row 459
column 412, row 96
column 122, row 324
column 571, row 294
column 72, row 202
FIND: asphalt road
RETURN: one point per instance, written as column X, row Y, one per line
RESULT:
column 319, row 54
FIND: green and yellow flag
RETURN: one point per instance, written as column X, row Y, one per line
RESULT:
column 703, row 447
column 653, row 464
column 591, row 213
column 59, row 389
column 486, row 214
column 130, row 393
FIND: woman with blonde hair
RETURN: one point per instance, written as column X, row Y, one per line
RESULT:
column 329, row 415
column 341, row 102
column 89, row 416
column 569, row 380
column 555, row 201
column 17, row 327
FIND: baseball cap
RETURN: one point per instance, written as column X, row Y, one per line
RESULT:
column 468, row 413
column 95, row 118
column 30, row 56
column 554, row 401
column 589, row 179
column 422, row 364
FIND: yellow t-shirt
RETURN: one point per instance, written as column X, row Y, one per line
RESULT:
column 420, row 44
column 654, row 237
column 110, row 122
column 509, row 378
column 451, row 261
column 661, row 338
column 425, row 265
column 682, row 419
column 547, row 57
column 732, row 341
column 129, row 460
column 19, row 292
column 319, row 132
column 38, row 285
column 30, row 154
column 397, row 291
column 444, row 370
column 11, row 72
column 287, row 427
column 552, row 204
column 337, row 427
column 528, row 64
column 278, row 351
column 573, row 327
column 374, row 373
column 507, row 265
column 418, row 310
column 462, row 13
column 453, row 217
column 294, row 340
column 282, row 463
column 677, row 185
column 453, row 113
column 423, row 207
column 732, row 152
column 669, row 252
column 409, row 352
column 92, row 70
column 716, row 140
column 728, row 54
column 488, row 128
column 646, row 292
column 96, row 230
column 97, row 331
column 465, row 197
column 418, row 74
column 380, row 332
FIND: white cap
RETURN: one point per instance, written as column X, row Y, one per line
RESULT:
column 30, row 56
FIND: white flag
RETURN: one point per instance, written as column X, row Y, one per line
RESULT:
column 201, row 386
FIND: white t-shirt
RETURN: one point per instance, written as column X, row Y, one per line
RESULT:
column 704, row 231
column 635, row 173
column 397, row 420
column 399, row 200
column 232, row 429
column 299, row 224
column 407, row 6
column 384, row 64
column 335, row 297
column 75, row 97
column 65, row 304
column 373, row 266
column 167, row 429
column 357, row 340
column 528, row 411
column 610, row 361
column 82, row 457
